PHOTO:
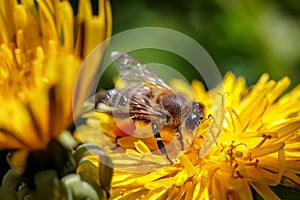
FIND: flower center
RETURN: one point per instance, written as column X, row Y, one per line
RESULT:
column 20, row 71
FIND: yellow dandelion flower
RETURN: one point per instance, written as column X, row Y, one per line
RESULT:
column 255, row 145
column 42, row 46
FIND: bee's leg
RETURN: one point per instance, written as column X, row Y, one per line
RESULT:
column 116, row 141
column 160, row 143
column 209, row 116
column 117, row 138
column 179, row 137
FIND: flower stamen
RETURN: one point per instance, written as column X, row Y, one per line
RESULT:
column 249, row 155
column 236, row 115
column 236, row 173
column 232, row 121
column 255, row 164
column 232, row 152
column 265, row 137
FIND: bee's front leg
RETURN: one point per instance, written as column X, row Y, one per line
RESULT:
column 160, row 143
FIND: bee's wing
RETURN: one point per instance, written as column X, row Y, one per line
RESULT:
column 117, row 102
column 133, row 72
column 136, row 75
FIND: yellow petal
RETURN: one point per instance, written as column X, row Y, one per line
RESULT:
column 217, row 190
column 155, row 194
column 256, row 153
column 188, row 166
column 134, row 154
column 66, row 25
column 291, row 180
column 47, row 21
column 6, row 21
column 9, row 141
column 181, row 178
column 173, row 192
column 244, row 192
column 264, row 191
column 141, row 147
column 18, row 160
column 159, row 183
column 182, row 87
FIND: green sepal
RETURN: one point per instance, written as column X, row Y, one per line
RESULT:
column 89, row 168
column 105, row 169
column 23, row 192
column 77, row 189
column 48, row 186
column 9, row 186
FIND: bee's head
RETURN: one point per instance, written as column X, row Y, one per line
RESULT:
column 196, row 115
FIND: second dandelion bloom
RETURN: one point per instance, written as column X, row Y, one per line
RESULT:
column 42, row 45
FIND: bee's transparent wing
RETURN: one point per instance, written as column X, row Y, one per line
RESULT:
column 133, row 72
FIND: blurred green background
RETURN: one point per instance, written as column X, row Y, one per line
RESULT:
column 247, row 37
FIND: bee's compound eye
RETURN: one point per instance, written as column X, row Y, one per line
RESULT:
column 192, row 122
column 195, row 117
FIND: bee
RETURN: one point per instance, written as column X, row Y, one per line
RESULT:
column 148, row 99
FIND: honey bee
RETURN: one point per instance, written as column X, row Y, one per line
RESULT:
column 148, row 99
